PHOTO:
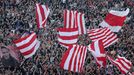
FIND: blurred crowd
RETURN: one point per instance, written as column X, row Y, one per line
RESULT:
column 18, row 16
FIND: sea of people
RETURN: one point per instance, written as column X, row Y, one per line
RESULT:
column 18, row 16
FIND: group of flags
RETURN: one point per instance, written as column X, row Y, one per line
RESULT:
column 74, row 26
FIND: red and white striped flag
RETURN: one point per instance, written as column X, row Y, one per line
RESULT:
column 80, row 22
column 69, row 19
column 74, row 19
column 97, row 50
column 28, row 45
column 104, row 34
column 74, row 58
column 68, row 36
column 42, row 12
column 122, row 63
column 114, row 20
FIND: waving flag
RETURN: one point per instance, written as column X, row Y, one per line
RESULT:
column 80, row 22
column 42, row 13
column 122, row 63
column 28, row 45
column 74, row 19
column 68, row 36
column 104, row 34
column 69, row 19
column 97, row 50
column 114, row 20
column 74, row 58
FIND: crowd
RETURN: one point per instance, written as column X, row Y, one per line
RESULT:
column 18, row 16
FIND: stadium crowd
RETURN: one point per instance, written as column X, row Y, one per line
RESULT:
column 18, row 16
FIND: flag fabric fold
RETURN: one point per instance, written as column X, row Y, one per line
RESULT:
column 42, row 12
column 74, row 58
column 114, row 19
column 28, row 45
column 97, row 50
column 104, row 34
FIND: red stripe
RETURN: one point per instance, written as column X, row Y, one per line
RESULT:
column 114, row 20
column 92, row 46
column 67, row 29
column 22, row 39
column 68, row 37
column 70, row 19
column 65, row 44
column 101, row 47
column 76, row 19
column 29, row 51
column 81, row 24
column 43, row 15
column 70, row 63
column 27, row 44
column 65, row 55
column 103, row 60
column 65, row 18
column 37, row 18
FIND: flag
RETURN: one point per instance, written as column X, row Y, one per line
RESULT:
column 122, row 63
column 74, row 19
column 97, row 50
column 80, row 22
column 27, row 45
column 68, row 36
column 104, row 34
column 114, row 20
column 69, row 19
column 42, row 12
column 74, row 58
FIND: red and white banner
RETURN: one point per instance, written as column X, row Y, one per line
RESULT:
column 68, row 36
column 104, row 34
column 122, row 63
column 69, row 19
column 42, row 12
column 97, row 50
column 114, row 20
column 80, row 22
column 74, row 58
column 28, row 45
column 74, row 19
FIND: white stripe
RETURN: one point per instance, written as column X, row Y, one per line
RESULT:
column 79, row 27
column 25, row 41
column 68, row 33
column 31, row 54
column 67, row 19
column 72, row 21
column 39, row 14
column 120, row 13
column 72, row 66
column 84, row 57
column 110, row 36
column 66, row 65
column 97, row 31
column 68, row 41
column 112, row 28
column 83, row 21
column 28, row 47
